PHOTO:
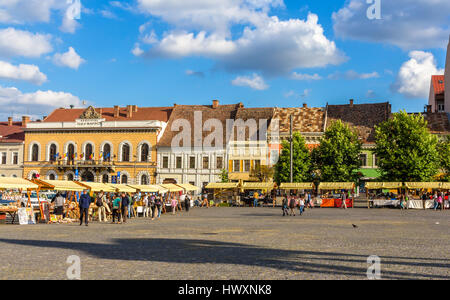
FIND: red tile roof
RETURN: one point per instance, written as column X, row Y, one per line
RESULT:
column 142, row 114
column 438, row 84
column 11, row 134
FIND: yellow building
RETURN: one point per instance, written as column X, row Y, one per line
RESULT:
column 101, row 145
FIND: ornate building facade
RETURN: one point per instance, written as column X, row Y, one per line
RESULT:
column 114, row 145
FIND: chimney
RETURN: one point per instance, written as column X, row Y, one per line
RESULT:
column 129, row 111
column 241, row 105
column 175, row 105
column 351, row 102
column 215, row 104
column 10, row 121
column 25, row 121
column 116, row 111
column 305, row 105
column 100, row 111
column 135, row 108
column 429, row 108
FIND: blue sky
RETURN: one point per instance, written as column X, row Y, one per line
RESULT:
column 157, row 53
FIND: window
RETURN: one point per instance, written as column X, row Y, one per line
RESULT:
column 219, row 162
column 206, row 162
column 165, row 162
column 105, row 178
column 179, row 162
column 236, row 165
column 125, row 152
column 257, row 164
column 107, row 152
column 51, row 177
column 71, row 152
column 35, row 153
column 441, row 108
column 375, row 161
column 144, row 180
column 363, row 160
column 52, row 154
column 89, row 152
column 246, row 165
column 191, row 182
column 3, row 158
column 124, row 179
column 192, row 162
column 145, row 151
column 70, row 177
column 15, row 160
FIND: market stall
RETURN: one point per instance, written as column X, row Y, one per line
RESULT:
column 377, row 198
column 328, row 198
column 14, row 207
column 295, row 187
column 96, row 186
column 224, row 191
column 173, row 191
column 123, row 188
column 264, row 187
column 417, row 189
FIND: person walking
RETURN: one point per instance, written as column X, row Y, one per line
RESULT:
column 292, row 206
column 157, row 211
column 255, row 199
column 59, row 206
column 440, row 201
column 301, row 205
column 174, row 204
column 101, row 202
column 435, row 201
column 85, row 202
column 124, row 207
column 146, row 204
column 187, row 203
column 344, row 200
column 116, row 207
column 284, row 206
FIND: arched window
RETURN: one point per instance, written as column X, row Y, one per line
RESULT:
column 70, row 177
column 35, row 153
column 87, row 176
column 70, row 152
column 144, row 180
column 105, row 178
column 145, row 151
column 52, row 152
column 125, row 152
column 88, row 152
column 51, row 177
column 124, row 179
column 107, row 152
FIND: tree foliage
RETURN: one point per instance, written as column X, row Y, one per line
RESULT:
column 444, row 157
column 405, row 149
column 262, row 173
column 337, row 157
column 224, row 176
column 301, row 161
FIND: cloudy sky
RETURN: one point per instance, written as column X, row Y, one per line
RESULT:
column 54, row 53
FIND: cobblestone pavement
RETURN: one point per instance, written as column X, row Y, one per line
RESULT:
column 236, row 243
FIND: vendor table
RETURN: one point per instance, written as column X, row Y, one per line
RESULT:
column 11, row 211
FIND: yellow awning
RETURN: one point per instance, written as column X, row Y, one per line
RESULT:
column 423, row 185
column 383, row 185
column 188, row 187
column 258, row 186
column 336, row 186
column 123, row 188
column 9, row 183
column 239, row 176
column 222, row 185
column 96, row 187
column 146, row 188
column 62, row 185
column 445, row 186
column 172, row 187
column 297, row 186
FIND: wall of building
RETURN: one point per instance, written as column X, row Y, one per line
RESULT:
column 9, row 169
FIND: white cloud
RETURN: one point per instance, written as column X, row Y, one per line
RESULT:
column 273, row 47
column 409, row 24
column 40, row 11
column 298, row 76
column 22, row 72
column 69, row 59
column 413, row 79
column 14, row 42
column 353, row 75
column 255, row 82
column 195, row 73
column 40, row 102
column 137, row 51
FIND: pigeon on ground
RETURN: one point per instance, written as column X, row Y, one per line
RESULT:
column 354, row 226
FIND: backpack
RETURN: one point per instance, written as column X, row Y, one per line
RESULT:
column 99, row 201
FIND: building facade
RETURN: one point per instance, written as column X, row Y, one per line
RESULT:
column 439, row 100
column 11, row 148
column 114, row 145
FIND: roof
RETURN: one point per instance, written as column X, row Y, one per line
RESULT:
column 362, row 116
column 222, row 185
column 16, row 183
column 336, row 185
column 142, row 114
column 383, row 185
column 305, row 119
column 11, row 134
column 438, row 82
column 186, row 112
column 438, row 122
column 297, row 186
column 257, row 114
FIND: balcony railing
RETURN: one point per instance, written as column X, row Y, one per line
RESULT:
column 92, row 163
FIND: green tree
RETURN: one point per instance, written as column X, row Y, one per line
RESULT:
column 301, row 163
column 444, row 157
column 405, row 149
column 262, row 173
column 337, row 157
column 224, row 176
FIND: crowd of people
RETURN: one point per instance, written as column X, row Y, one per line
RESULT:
column 290, row 203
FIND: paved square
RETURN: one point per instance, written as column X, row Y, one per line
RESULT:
column 237, row 243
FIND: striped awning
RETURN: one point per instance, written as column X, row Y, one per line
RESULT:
column 222, row 185
column 297, row 186
column 96, row 187
column 146, row 188
column 10, row 183
column 258, row 186
column 172, row 187
column 61, row 185
column 383, row 185
column 336, row 186
column 188, row 187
